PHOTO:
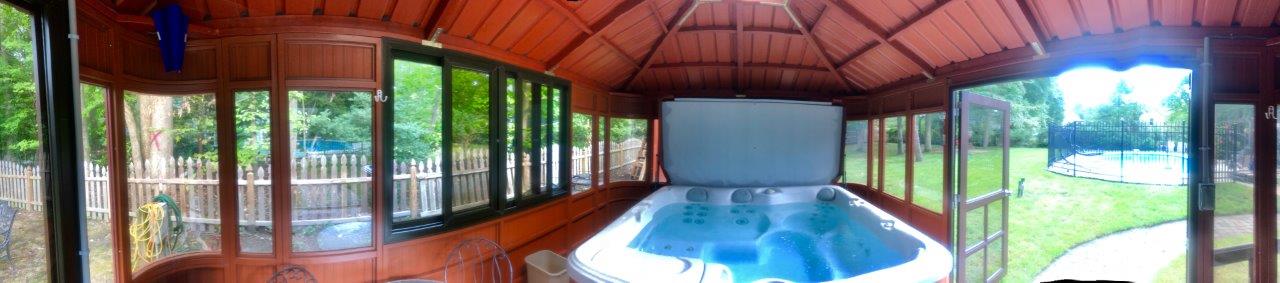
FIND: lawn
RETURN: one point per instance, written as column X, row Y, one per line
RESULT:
column 1056, row 212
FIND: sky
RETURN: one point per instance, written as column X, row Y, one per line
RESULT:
column 1088, row 87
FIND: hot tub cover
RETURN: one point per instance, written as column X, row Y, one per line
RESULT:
column 750, row 142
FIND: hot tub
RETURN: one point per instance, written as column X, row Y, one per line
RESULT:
column 800, row 234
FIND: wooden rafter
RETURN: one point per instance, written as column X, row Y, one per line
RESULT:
column 673, row 27
column 813, row 43
column 1037, row 37
column 885, row 36
column 728, row 65
column 433, row 22
column 590, row 32
column 763, row 30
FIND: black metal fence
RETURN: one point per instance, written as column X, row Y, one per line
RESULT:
column 1145, row 153
column 1142, row 153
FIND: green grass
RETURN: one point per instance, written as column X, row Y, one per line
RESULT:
column 1235, row 272
column 1056, row 212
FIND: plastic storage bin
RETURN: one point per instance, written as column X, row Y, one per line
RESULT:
column 545, row 267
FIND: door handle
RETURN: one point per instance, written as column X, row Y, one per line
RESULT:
column 1206, row 191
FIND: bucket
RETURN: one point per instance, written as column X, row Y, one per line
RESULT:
column 545, row 267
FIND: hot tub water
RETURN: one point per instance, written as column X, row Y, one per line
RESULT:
column 802, row 242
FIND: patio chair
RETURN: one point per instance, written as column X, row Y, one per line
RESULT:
column 292, row 273
column 478, row 260
column 7, row 214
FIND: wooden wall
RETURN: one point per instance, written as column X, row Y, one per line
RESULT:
column 278, row 61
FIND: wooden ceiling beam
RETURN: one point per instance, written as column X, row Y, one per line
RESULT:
column 433, row 23
column 813, row 43
column 672, row 28
column 760, row 30
column 1036, row 38
column 728, row 65
column 592, row 32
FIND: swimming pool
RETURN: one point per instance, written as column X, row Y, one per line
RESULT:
column 797, row 234
column 1138, row 167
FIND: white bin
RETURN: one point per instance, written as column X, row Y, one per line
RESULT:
column 545, row 267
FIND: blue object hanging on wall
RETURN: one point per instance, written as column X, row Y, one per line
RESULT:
column 171, row 29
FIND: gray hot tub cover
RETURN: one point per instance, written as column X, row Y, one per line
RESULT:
column 750, row 142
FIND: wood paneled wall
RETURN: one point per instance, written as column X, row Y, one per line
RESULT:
column 279, row 61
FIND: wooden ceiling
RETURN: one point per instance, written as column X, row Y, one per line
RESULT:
column 658, row 46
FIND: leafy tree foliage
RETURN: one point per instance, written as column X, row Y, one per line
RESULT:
column 1117, row 111
column 19, row 126
column 1036, row 104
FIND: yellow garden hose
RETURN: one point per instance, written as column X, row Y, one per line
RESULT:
column 155, row 230
column 145, row 232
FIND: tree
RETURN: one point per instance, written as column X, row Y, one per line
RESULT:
column 1179, row 103
column 19, row 124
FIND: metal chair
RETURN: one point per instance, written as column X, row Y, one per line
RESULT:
column 7, row 214
column 478, row 260
column 292, row 273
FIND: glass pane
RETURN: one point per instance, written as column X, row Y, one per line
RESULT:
column 21, row 188
column 516, row 106
column 895, row 155
column 253, row 169
column 927, row 171
column 173, row 175
column 985, row 133
column 418, row 115
column 627, row 140
column 330, row 133
column 1233, row 156
column 600, row 148
column 855, row 152
column 529, row 113
column 550, row 122
column 96, row 186
column 582, row 151
column 470, row 139
column 873, row 156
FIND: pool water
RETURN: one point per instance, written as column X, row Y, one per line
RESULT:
column 801, row 242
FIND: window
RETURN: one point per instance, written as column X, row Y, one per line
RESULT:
column 627, row 141
column 551, row 138
column 855, row 152
column 418, row 100
column 600, row 145
column 927, row 170
column 253, row 170
column 895, row 155
column 21, row 157
column 172, row 161
column 873, row 156
column 582, row 160
column 470, row 139
column 97, row 187
column 517, row 139
column 330, row 133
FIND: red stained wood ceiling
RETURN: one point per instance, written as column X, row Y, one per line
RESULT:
column 659, row 46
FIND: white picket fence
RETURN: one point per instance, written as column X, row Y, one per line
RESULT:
column 326, row 189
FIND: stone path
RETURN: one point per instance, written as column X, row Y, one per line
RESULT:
column 1135, row 255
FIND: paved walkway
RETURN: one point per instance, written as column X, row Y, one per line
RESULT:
column 1135, row 255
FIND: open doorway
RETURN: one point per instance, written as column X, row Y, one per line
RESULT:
column 1095, row 166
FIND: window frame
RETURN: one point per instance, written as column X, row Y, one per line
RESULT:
column 499, row 73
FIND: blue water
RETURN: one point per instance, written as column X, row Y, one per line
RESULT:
column 810, row 241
